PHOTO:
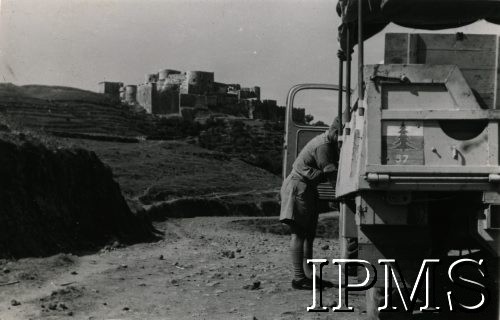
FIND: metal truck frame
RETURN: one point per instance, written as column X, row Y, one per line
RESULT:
column 419, row 170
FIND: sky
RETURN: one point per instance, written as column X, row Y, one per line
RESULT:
column 273, row 44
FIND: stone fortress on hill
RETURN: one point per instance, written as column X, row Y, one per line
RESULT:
column 193, row 94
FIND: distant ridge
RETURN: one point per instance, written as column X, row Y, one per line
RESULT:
column 69, row 110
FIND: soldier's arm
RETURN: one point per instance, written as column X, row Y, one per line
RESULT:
column 325, row 158
column 314, row 174
column 327, row 162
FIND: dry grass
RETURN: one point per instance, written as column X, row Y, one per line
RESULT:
column 155, row 171
column 151, row 173
column 61, row 109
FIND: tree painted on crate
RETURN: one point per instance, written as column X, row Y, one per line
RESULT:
column 403, row 140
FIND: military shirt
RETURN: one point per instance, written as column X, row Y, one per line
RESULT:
column 318, row 158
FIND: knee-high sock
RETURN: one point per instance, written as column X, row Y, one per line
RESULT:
column 308, row 254
column 297, row 253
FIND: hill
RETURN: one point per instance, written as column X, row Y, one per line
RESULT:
column 165, row 178
column 71, row 112
column 257, row 142
column 55, row 109
column 175, row 178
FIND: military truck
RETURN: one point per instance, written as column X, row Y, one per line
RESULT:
column 419, row 168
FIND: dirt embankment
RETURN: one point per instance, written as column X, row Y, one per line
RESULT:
column 55, row 200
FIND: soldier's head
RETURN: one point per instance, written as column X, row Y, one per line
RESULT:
column 333, row 131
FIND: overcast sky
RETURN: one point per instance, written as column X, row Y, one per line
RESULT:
column 273, row 44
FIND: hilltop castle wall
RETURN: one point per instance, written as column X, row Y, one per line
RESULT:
column 131, row 94
column 166, row 73
column 110, row 88
column 147, row 96
column 198, row 82
column 191, row 93
column 168, row 100
column 249, row 93
column 193, row 100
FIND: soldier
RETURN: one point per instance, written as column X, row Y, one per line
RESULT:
column 316, row 163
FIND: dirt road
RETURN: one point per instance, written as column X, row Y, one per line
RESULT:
column 203, row 268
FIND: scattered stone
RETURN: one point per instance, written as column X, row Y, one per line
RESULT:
column 161, row 257
column 15, row 303
column 5, row 270
column 219, row 291
column 325, row 247
column 217, row 275
column 212, row 284
column 332, row 304
column 26, row 276
column 126, row 309
column 238, row 250
column 52, row 306
column 63, row 306
column 123, row 266
column 70, row 313
column 254, row 286
column 74, row 273
column 271, row 289
column 228, row 254
column 175, row 282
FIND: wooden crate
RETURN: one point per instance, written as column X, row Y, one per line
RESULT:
column 476, row 55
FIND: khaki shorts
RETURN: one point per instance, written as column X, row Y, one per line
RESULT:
column 299, row 205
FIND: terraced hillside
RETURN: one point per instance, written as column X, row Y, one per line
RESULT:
column 75, row 113
column 55, row 109
column 174, row 178
column 257, row 142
